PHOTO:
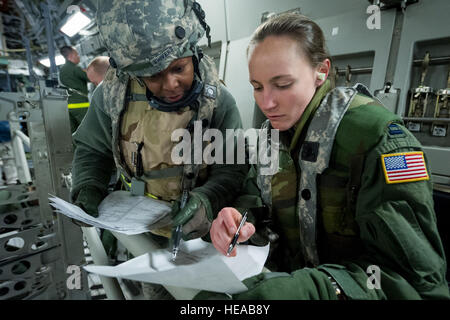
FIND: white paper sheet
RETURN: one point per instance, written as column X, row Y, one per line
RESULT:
column 121, row 212
column 198, row 266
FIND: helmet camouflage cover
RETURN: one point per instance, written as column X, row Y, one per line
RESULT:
column 144, row 36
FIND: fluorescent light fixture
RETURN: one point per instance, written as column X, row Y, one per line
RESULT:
column 59, row 60
column 75, row 23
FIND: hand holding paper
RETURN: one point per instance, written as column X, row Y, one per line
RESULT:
column 121, row 212
column 198, row 266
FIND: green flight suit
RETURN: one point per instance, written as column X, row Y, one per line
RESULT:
column 391, row 227
column 73, row 77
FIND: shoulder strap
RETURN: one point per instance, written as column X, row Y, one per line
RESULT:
column 264, row 181
column 315, row 155
column 357, row 161
column 114, row 94
column 207, row 104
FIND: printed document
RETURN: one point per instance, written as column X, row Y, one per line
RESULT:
column 121, row 212
column 198, row 266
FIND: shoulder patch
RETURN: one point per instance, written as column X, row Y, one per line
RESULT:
column 404, row 167
column 210, row 91
column 395, row 131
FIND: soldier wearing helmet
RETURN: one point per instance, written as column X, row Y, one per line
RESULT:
column 158, row 81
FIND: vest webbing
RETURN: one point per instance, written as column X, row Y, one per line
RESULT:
column 115, row 89
column 310, row 252
column 114, row 105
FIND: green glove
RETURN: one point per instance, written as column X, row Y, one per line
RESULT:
column 194, row 217
column 303, row 284
column 209, row 295
column 109, row 242
column 89, row 199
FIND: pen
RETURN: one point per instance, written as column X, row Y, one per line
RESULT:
column 178, row 230
column 236, row 235
column 176, row 241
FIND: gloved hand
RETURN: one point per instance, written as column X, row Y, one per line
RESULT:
column 109, row 243
column 194, row 217
column 89, row 199
column 210, row 295
column 303, row 284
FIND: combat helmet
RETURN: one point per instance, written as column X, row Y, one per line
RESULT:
column 144, row 36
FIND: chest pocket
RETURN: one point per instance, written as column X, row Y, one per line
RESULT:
column 337, row 198
column 337, row 217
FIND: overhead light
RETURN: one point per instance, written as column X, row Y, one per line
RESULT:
column 74, row 24
column 59, row 60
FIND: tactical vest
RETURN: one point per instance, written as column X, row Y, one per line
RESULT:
column 299, row 203
column 137, row 125
column 146, row 132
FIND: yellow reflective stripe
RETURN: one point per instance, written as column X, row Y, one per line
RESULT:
column 78, row 105
column 129, row 186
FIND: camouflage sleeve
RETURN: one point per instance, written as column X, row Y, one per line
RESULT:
column 224, row 180
column 93, row 161
column 404, row 257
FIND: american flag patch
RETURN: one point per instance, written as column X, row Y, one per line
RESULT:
column 404, row 167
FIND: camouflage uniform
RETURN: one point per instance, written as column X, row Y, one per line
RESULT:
column 98, row 149
column 331, row 212
column 143, row 38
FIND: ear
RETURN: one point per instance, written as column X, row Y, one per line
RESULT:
column 322, row 72
column 71, row 56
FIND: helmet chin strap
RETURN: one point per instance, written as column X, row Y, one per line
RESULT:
column 196, row 58
column 189, row 99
